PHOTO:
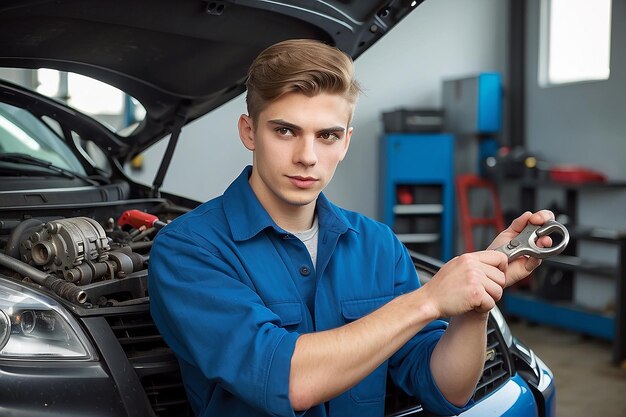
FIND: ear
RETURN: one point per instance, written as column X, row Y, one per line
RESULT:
column 346, row 143
column 246, row 131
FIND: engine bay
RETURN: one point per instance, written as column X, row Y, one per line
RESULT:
column 92, row 254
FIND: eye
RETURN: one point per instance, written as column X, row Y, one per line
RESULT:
column 329, row 136
column 284, row 131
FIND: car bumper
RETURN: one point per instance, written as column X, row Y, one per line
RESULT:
column 520, row 398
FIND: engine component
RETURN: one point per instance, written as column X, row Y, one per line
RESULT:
column 62, row 245
column 138, row 219
column 64, row 289
column 125, row 261
column 22, row 229
column 79, row 250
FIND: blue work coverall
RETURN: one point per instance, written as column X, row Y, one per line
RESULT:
column 230, row 292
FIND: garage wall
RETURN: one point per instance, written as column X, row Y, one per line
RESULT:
column 441, row 39
column 584, row 123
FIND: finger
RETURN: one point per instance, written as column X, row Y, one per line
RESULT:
column 494, row 285
column 520, row 268
column 520, row 223
column 484, row 294
column 544, row 242
column 541, row 217
column 537, row 218
column 483, row 273
column 531, row 264
column 493, row 258
column 493, row 273
column 486, row 305
column 524, row 265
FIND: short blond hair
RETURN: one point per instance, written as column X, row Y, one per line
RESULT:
column 304, row 66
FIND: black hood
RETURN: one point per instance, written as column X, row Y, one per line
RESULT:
column 184, row 57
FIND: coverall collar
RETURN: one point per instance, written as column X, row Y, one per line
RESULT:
column 247, row 217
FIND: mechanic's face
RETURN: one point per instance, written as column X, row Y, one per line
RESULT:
column 297, row 143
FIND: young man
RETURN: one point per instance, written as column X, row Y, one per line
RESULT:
column 277, row 302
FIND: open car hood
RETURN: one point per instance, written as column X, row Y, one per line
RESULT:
column 187, row 59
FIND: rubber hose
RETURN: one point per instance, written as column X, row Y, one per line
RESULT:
column 60, row 287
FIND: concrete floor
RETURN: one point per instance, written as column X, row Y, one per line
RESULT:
column 587, row 383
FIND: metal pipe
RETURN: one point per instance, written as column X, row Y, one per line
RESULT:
column 62, row 288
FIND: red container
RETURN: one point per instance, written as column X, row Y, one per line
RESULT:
column 576, row 174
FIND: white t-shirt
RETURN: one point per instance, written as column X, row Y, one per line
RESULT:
column 309, row 238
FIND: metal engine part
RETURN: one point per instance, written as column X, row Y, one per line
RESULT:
column 78, row 248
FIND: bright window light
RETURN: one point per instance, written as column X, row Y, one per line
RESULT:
column 93, row 96
column 48, row 82
column 83, row 93
column 105, row 103
column 575, row 41
column 17, row 133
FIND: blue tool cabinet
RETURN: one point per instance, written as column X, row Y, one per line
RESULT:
column 417, row 190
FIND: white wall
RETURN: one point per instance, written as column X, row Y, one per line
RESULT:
column 441, row 39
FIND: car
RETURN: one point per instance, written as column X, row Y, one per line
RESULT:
column 76, row 336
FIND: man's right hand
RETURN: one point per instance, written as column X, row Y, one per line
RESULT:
column 469, row 282
column 464, row 289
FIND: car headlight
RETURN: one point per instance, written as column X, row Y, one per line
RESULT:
column 34, row 326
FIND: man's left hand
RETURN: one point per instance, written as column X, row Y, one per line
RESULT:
column 521, row 267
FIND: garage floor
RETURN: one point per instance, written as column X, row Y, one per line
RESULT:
column 587, row 383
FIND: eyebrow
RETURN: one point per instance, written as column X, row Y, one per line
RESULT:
column 286, row 124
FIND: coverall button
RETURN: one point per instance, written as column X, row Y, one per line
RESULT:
column 304, row 270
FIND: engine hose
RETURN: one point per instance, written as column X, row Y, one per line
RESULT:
column 140, row 246
column 18, row 235
column 60, row 287
column 65, row 289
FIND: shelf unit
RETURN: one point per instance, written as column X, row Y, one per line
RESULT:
column 422, row 167
column 567, row 313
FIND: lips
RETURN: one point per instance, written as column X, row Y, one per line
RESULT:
column 302, row 182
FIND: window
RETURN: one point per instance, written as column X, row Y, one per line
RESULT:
column 107, row 104
column 22, row 133
column 575, row 41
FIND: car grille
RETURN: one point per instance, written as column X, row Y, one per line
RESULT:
column 158, row 370
column 153, row 362
column 496, row 372
column 497, row 368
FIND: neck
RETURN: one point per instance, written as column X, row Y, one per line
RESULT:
column 290, row 217
column 297, row 219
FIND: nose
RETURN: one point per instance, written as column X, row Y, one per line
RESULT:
column 305, row 153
